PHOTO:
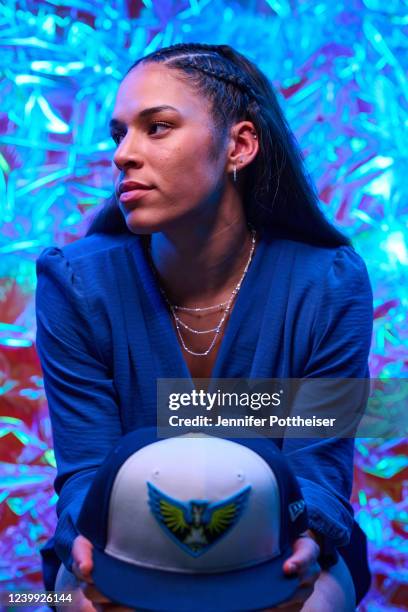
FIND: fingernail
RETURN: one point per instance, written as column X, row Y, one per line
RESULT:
column 292, row 567
column 82, row 569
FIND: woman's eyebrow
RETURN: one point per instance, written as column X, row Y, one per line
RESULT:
column 146, row 112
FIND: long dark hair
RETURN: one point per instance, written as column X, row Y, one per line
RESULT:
column 279, row 195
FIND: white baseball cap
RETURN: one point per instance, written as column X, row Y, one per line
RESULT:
column 193, row 523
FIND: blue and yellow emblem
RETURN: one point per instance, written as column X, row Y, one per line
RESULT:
column 196, row 525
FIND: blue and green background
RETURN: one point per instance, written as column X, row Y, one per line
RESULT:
column 340, row 71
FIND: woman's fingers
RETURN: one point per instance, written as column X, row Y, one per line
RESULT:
column 82, row 554
column 305, row 554
column 82, row 576
column 309, row 577
column 302, row 562
column 76, row 572
column 82, row 567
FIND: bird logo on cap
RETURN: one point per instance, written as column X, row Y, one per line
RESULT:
column 196, row 525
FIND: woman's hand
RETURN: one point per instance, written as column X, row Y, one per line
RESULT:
column 82, row 555
column 303, row 562
column 82, row 568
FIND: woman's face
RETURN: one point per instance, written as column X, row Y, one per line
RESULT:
column 166, row 141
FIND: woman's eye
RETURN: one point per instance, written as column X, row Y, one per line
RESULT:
column 117, row 137
column 157, row 127
column 153, row 128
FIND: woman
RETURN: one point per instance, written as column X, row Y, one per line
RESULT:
column 212, row 260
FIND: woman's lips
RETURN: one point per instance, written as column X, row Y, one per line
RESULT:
column 134, row 194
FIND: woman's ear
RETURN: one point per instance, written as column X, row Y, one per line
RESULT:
column 243, row 145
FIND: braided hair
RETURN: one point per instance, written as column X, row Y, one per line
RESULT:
column 278, row 194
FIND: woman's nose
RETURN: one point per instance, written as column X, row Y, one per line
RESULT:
column 127, row 153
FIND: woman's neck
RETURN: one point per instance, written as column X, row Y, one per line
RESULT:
column 199, row 268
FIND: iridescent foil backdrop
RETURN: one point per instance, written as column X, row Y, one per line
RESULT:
column 340, row 72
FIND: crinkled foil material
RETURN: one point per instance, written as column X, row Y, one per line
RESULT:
column 340, row 72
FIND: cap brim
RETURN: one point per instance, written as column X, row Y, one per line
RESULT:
column 252, row 588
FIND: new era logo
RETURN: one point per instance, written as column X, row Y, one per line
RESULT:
column 295, row 509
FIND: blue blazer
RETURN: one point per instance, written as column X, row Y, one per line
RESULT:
column 104, row 335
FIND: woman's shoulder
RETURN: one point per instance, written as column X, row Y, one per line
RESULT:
column 308, row 261
column 89, row 246
column 90, row 261
column 87, row 251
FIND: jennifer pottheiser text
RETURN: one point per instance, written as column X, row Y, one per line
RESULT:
column 250, row 421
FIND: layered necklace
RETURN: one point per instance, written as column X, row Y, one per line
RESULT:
column 224, row 307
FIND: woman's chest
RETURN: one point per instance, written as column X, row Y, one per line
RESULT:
column 201, row 366
column 200, row 348
column 147, row 349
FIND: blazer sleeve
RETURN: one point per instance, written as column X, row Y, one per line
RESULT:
column 80, row 391
column 340, row 342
